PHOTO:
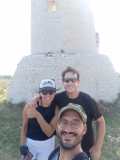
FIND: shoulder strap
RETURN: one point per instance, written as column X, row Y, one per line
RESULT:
column 81, row 156
column 53, row 153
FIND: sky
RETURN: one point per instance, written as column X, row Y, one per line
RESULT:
column 15, row 31
column 107, row 23
column 14, row 34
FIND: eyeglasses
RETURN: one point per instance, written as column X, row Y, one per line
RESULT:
column 73, row 124
column 45, row 92
column 67, row 80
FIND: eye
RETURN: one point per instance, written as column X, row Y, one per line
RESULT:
column 64, row 122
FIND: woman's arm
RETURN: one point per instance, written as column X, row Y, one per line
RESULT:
column 24, row 126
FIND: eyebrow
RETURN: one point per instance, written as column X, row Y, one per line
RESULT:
column 75, row 119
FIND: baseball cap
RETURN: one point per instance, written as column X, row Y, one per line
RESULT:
column 48, row 85
column 75, row 107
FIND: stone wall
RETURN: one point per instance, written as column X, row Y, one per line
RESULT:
column 98, row 77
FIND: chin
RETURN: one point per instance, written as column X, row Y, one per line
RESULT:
column 67, row 146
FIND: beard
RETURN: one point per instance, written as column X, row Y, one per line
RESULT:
column 68, row 146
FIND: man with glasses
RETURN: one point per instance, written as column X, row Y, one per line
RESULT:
column 72, row 94
column 37, row 132
column 71, row 127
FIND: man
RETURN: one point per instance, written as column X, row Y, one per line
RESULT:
column 71, row 127
column 71, row 83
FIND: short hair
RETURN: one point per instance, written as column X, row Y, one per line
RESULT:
column 70, row 69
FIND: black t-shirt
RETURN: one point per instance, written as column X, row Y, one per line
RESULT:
column 56, row 152
column 91, row 109
column 34, row 131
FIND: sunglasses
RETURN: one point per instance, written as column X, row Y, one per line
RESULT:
column 67, row 80
column 45, row 92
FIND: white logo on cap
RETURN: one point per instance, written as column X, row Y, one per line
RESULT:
column 47, row 83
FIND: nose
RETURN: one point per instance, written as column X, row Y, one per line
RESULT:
column 47, row 97
column 67, row 128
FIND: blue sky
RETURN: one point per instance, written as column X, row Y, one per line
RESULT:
column 15, row 29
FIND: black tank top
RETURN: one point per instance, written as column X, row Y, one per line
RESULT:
column 34, row 131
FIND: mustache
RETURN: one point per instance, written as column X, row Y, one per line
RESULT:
column 64, row 132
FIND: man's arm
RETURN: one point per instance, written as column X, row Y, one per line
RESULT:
column 100, row 131
column 48, row 128
column 97, row 147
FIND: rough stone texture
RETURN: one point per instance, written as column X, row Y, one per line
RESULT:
column 59, row 39
column 98, row 77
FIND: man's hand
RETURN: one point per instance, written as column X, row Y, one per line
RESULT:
column 95, row 152
column 33, row 102
column 33, row 113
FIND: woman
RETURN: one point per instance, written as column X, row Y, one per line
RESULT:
column 39, row 123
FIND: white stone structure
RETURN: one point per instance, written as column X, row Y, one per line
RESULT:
column 65, row 37
column 70, row 28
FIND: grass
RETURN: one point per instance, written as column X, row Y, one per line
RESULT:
column 10, row 124
column 111, row 150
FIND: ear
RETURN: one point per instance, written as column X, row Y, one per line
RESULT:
column 57, row 128
column 57, row 125
column 78, row 82
column 84, row 129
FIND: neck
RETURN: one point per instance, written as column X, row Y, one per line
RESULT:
column 44, row 104
column 73, row 95
column 69, row 154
